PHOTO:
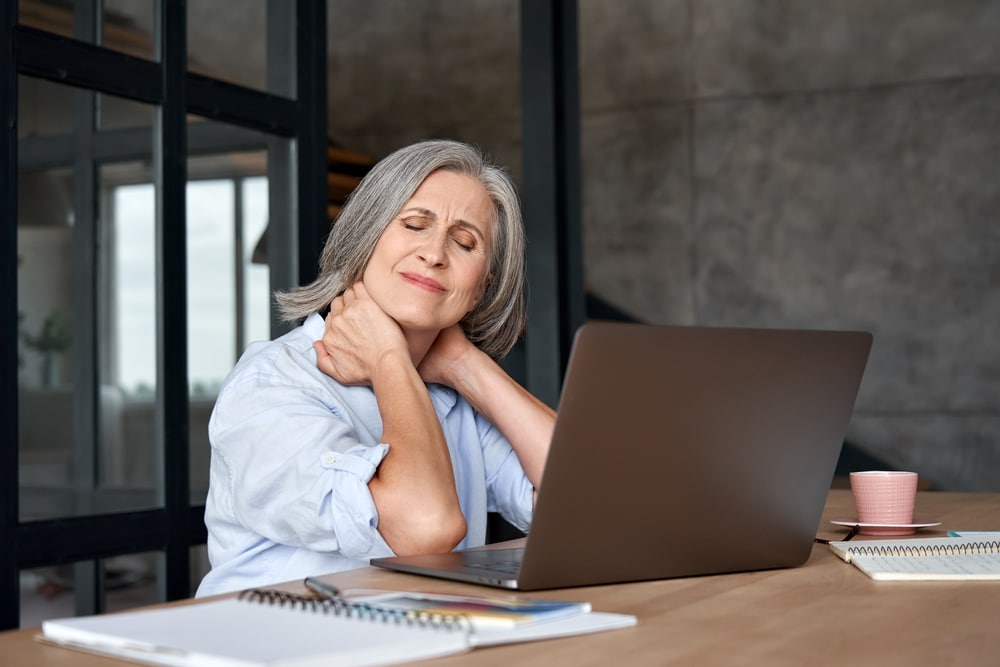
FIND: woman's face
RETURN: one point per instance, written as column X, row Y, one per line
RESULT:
column 429, row 267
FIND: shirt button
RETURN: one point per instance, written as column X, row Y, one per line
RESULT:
column 329, row 459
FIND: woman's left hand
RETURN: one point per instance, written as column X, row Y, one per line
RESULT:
column 525, row 421
column 438, row 365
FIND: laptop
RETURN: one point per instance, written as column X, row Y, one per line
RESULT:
column 679, row 451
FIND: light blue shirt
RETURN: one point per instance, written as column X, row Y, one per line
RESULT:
column 292, row 453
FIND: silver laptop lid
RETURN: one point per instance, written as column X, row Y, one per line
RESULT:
column 682, row 451
column 691, row 450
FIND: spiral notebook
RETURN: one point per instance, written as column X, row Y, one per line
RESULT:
column 273, row 628
column 973, row 557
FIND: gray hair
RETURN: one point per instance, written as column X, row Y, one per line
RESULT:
column 497, row 321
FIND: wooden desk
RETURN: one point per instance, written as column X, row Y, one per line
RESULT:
column 823, row 613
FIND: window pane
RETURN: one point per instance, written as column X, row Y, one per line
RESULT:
column 229, row 41
column 119, row 113
column 134, row 300
column 86, row 299
column 126, row 25
column 125, row 582
column 256, row 275
column 44, row 109
column 45, row 390
column 228, row 277
column 211, row 229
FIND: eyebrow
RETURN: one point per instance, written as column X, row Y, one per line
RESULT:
column 433, row 216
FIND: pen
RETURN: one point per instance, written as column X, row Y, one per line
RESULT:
column 854, row 531
column 322, row 588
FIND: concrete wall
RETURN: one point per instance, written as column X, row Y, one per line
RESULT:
column 781, row 163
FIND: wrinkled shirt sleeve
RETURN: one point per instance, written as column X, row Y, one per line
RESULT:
column 509, row 491
column 296, row 469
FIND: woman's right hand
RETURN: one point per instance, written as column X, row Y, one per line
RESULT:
column 358, row 332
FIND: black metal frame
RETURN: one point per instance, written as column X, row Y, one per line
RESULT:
column 170, row 160
column 9, row 586
column 551, row 190
column 177, row 525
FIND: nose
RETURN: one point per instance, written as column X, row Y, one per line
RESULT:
column 434, row 249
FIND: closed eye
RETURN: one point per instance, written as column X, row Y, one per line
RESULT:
column 464, row 234
column 414, row 223
column 464, row 239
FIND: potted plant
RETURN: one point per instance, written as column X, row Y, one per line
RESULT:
column 54, row 338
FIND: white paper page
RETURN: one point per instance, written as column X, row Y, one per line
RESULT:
column 561, row 627
column 230, row 632
column 957, row 566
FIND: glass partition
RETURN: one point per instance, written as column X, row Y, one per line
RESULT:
column 125, row 25
column 125, row 257
column 54, row 591
column 228, row 41
column 229, row 303
column 86, row 212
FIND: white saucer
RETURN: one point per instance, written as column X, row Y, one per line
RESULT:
column 885, row 528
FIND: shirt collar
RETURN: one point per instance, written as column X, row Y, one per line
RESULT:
column 444, row 397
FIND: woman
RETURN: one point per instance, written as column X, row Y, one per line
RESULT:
column 389, row 427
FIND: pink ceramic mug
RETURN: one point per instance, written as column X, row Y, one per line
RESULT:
column 884, row 497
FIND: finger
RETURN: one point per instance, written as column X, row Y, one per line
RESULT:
column 323, row 360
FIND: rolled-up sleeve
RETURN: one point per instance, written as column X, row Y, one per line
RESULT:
column 298, row 470
column 349, row 508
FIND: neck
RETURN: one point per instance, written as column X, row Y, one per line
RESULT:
column 419, row 342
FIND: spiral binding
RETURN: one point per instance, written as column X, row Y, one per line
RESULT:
column 927, row 550
column 359, row 610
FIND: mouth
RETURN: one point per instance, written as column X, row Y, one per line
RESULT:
column 423, row 282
